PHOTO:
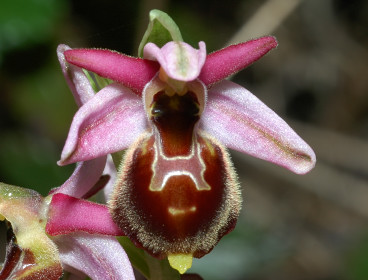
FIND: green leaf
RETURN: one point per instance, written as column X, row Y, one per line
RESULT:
column 117, row 157
column 161, row 269
column 148, row 266
column 161, row 29
column 136, row 256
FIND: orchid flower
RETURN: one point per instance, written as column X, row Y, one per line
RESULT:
column 176, row 192
column 52, row 234
column 61, row 232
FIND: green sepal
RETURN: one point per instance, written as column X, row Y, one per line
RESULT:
column 96, row 81
column 161, row 29
column 150, row 267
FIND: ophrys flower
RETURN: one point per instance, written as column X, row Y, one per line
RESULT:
column 177, row 193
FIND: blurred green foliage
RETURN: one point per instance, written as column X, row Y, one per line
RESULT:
column 357, row 260
column 36, row 107
column 23, row 22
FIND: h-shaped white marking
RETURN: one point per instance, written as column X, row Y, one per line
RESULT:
column 165, row 167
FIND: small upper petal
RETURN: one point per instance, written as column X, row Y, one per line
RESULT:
column 109, row 122
column 179, row 60
column 130, row 71
column 242, row 122
column 225, row 62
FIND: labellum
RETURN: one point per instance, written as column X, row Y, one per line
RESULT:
column 177, row 192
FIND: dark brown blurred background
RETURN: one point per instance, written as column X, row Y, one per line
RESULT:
column 292, row 227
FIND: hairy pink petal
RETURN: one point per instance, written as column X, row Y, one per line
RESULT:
column 99, row 257
column 109, row 122
column 132, row 72
column 69, row 214
column 75, row 78
column 179, row 60
column 225, row 62
column 242, row 122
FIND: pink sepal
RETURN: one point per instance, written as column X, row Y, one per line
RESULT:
column 68, row 214
column 75, row 78
column 110, row 170
column 225, row 62
column 109, row 122
column 85, row 176
column 242, row 122
column 98, row 257
column 132, row 72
